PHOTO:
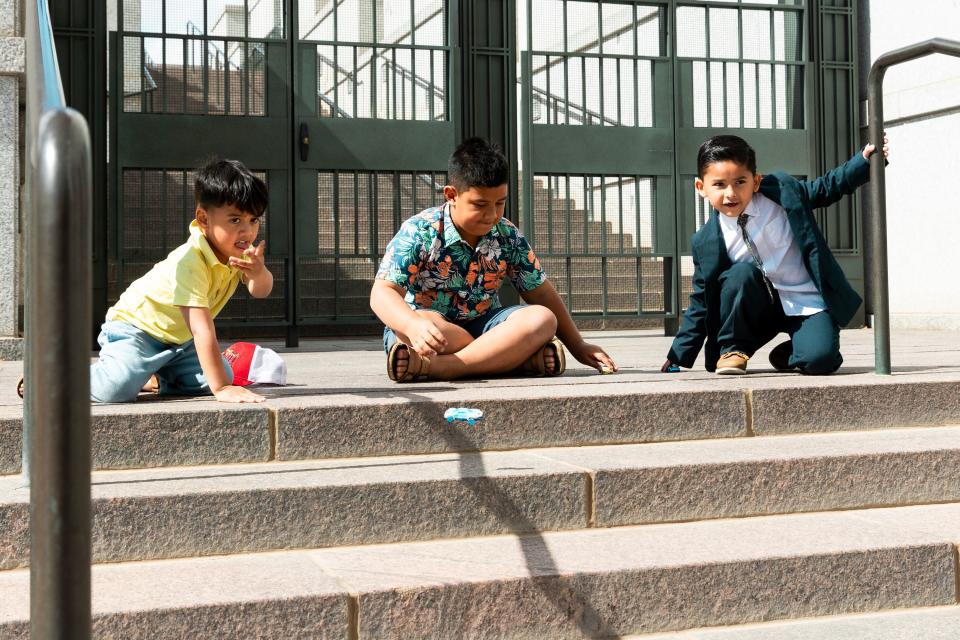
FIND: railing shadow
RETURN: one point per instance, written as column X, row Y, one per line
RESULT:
column 545, row 573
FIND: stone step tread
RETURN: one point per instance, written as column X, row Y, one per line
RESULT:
column 361, row 416
column 756, row 449
column 344, row 472
column 926, row 623
column 161, row 481
column 601, row 582
column 182, row 512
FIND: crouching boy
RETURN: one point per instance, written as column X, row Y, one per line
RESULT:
column 761, row 265
column 161, row 329
column 436, row 289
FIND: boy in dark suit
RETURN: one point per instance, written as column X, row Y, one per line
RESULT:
column 762, row 266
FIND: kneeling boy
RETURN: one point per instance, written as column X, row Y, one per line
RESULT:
column 761, row 265
column 162, row 325
column 436, row 289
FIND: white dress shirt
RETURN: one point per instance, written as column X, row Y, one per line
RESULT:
column 770, row 231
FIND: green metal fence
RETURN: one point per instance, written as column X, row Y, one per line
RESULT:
column 346, row 108
column 349, row 109
column 598, row 173
column 621, row 94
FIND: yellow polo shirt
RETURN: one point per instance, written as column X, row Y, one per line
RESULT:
column 191, row 276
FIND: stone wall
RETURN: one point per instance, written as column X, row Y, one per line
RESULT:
column 11, row 75
column 921, row 99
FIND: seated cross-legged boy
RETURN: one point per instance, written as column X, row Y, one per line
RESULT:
column 161, row 329
column 436, row 289
column 762, row 266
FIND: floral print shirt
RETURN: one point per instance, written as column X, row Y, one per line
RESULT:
column 440, row 271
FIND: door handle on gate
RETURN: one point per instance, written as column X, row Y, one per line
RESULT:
column 304, row 142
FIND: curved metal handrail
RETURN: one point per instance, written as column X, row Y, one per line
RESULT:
column 57, row 342
column 877, row 238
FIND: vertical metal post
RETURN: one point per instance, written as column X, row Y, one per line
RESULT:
column 877, row 233
column 877, row 236
column 59, row 321
column 58, row 306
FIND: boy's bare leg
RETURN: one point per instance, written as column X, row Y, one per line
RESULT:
column 457, row 338
column 502, row 349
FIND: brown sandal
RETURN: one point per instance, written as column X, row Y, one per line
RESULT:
column 20, row 387
column 418, row 367
column 537, row 366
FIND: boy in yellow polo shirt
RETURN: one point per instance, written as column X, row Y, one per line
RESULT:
column 162, row 325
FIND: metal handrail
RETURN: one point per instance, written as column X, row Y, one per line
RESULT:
column 56, row 456
column 877, row 237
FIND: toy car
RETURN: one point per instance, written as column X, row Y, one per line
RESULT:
column 463, row 414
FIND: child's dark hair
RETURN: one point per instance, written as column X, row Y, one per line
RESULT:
column 229, row 182
column 477, row 163
column 721, row 148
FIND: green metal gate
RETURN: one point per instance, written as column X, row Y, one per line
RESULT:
column 598, row 170
column 617, row 98
column 346, row 108
column 375, row 101
column 349, row 109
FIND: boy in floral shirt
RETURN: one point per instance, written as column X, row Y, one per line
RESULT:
column 436, row 289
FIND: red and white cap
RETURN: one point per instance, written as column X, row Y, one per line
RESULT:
column 253, row 364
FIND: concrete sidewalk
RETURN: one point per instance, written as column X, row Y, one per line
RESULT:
column 356, row 367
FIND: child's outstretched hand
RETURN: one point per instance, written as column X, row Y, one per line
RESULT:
column 252, row 264
column 233, row 394
column 870, row 148
column 592, row 356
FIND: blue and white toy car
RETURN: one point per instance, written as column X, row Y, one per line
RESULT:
column 463, row 414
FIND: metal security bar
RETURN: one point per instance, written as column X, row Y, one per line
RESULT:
column 194, row 74
column 594, row 234
column 597, row 107
column 384, row 60
column 57, row 306
column 378, row 100
column 753, row 81
column 877, row 237
column 358, row 212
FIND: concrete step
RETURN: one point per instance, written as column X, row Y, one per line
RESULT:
column 596, row 583
column 191, row 511
column 184, row 512
column 355, row 414
column 926, row 623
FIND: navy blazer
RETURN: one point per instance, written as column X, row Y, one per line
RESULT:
column 701, row 319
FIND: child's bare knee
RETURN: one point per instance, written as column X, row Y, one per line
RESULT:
column 541, row 321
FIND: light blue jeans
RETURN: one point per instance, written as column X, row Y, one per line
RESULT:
column 128, row 357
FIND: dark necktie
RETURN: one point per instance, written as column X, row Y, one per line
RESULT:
column 752, row 248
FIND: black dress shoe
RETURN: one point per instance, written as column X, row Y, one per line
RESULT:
column 780, row 356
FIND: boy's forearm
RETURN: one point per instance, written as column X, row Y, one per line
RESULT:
column 547, row 296
column 211, row 363
column 208, row 349
column 386, row 301
column 262, row 285
column 840, row 181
